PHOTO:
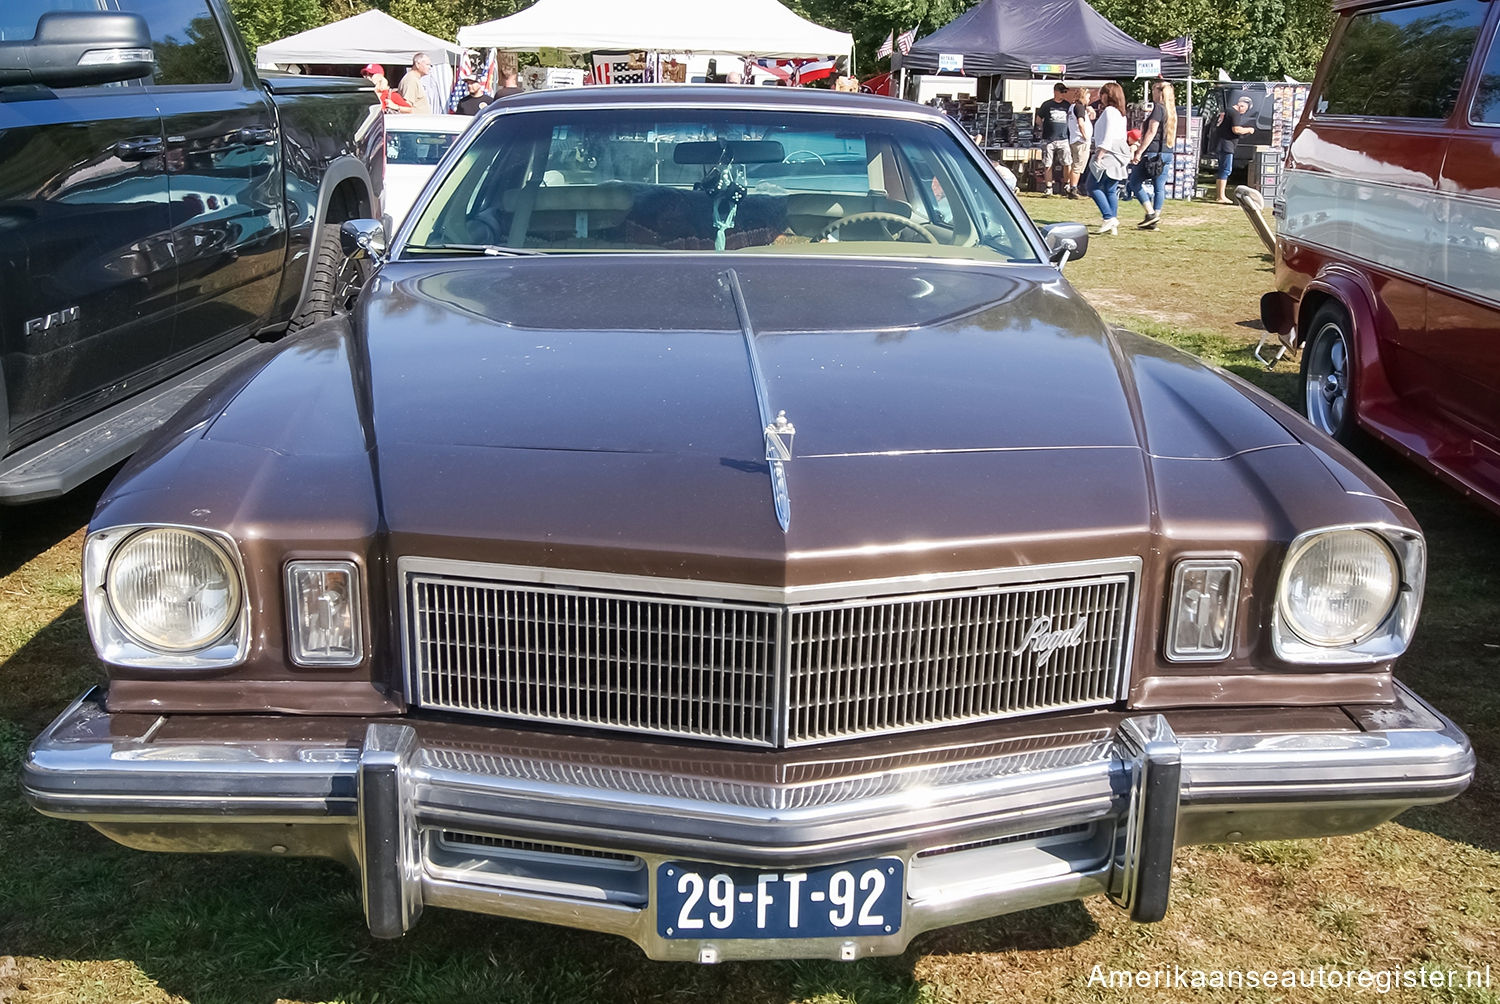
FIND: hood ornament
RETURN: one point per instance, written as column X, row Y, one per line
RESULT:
column 778, row 431
column 779, row 438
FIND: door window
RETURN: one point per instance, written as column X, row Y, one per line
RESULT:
column 18, row 17
column 1403, row 63
column 1487, row 96
column 188, row 41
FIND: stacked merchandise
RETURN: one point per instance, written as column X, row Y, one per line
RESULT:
column 991, row 123
column 1287, row 102
column 1182, row 182
column 1264, row 172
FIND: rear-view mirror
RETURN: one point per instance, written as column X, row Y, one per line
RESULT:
column 738, row 151
column 80, row 49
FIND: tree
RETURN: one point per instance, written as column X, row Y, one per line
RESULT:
column 1248, row 39
column 871, row 21
column 262, row 21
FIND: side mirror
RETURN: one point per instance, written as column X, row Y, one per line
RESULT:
column 80, row 49
column 363, row 239
column 1067, row 241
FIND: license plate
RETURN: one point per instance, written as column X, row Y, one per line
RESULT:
column 697, row 900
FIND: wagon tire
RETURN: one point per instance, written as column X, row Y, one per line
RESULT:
column 1327, row 394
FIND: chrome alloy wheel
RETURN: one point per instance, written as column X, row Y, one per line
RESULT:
column 1325, row 385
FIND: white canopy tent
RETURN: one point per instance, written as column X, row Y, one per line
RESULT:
column 743, row 27
column 371, row 37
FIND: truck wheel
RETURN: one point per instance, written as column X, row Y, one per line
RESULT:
column 1327, row 368
column 321, row 301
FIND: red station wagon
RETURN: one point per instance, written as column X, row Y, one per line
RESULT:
column 1388, row 237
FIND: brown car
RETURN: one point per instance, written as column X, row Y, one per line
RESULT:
column 721, row 525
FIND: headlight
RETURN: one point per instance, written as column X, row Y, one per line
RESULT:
column 1349, row 594
column 165, row 597
column 172, row 590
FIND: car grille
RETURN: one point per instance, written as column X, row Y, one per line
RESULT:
column 775, row 674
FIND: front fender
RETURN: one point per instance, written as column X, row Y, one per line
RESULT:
column 1351, row 289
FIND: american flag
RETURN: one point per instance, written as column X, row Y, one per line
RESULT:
column 458, row 91
column 611, row 70
column 1181, row 46
column 491, row 74
column 904, row 42
column 886, row 47
column 809, row 70
column 781, row 69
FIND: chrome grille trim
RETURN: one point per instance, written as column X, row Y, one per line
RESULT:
column 861, row 782
column 717, row 661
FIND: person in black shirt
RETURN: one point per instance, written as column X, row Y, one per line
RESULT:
column 1052, row 122
column 1233, row 123
column 477, row 99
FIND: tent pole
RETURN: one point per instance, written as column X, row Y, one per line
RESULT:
column 901, row 86
column 1190, row 82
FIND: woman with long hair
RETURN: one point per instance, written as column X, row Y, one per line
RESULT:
column 1111, row 159
column 1151, row 158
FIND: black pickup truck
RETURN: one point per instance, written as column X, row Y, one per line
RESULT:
column 164, row 210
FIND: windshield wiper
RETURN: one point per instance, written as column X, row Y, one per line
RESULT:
column 492, row 250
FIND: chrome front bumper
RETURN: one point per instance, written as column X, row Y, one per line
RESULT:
column 572, row 833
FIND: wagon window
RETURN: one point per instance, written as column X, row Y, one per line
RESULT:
column 1487, row 97
column 1403, row 63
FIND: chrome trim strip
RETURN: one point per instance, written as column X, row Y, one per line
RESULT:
column 68, row 771
column 775, row 459
column 1421, row 234
column 746, row 592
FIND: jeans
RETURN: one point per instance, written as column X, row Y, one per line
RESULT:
column 1150, row 192
column 1104, row 190
column 1226, row 164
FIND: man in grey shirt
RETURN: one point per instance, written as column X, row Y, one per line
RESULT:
column 413, row 87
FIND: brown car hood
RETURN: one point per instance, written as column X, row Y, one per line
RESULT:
column 602, row 412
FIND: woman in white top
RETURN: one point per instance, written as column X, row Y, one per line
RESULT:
column 1111, row 160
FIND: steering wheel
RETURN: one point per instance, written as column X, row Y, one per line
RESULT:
column 798, row 153
column 881, row 217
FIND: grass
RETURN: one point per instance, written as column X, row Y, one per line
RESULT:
column 82, row 919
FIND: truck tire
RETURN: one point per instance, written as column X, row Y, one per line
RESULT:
column 320, row 302
column 1327, row 396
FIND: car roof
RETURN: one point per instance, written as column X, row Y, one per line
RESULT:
column 708, row 95
column 427, row 123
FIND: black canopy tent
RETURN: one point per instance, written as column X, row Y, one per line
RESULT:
column 1008, row 37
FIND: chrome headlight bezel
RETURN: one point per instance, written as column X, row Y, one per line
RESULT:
column 118, row 646
column 1392, row 634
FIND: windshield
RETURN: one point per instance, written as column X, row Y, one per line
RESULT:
column 600, row 180
column 403, row 147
